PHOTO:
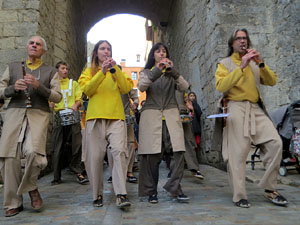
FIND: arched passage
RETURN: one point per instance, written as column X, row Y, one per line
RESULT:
column 71, row 22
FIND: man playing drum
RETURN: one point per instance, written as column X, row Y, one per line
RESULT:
column 66, row 124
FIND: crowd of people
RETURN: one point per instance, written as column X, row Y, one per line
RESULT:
column 166, row 127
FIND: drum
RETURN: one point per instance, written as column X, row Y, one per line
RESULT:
column 130, row 120
column 186, row 118
column 69, row 117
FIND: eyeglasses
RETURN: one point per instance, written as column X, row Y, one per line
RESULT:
column 240, row 38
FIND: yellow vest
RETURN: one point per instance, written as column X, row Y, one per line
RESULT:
column 70, row 94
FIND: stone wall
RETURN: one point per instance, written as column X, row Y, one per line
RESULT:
column 18, row 20
column 197, row 35
column 58, row 21
column 60, row 24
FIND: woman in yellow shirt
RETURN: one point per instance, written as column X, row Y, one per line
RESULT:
column 105, row 127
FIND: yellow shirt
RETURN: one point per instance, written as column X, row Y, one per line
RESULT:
column 239, row 84
column 105, row 93
column 33, row 66
column 76, row 94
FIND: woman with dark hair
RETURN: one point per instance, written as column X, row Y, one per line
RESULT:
column 104, row 83
column 196, row 114
column 160, row 80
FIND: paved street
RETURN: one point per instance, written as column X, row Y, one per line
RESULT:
column 71, row 203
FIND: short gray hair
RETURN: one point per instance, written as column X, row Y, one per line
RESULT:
column 45, row 44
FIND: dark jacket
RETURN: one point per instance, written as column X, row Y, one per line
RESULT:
column 197, row 118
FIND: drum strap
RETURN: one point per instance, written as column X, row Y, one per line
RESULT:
column 64, row 92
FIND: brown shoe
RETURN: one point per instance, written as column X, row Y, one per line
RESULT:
column 36, row 200
column 13, row 212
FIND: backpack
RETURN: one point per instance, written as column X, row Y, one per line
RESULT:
column 295, row 143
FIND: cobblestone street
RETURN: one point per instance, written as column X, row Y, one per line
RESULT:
column 71, row 203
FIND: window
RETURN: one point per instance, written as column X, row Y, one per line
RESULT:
column 134, row 75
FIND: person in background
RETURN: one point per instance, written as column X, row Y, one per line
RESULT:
column 130, row 103
column 69, row 107
column 1, row 119
column 190, row 155
column 30, row 85
column 238, row 77
column 196, row 116
column 104, row 83
column 160, row 80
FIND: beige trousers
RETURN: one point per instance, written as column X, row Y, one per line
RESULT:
column 20, row 173
column 101, row 135
column 130, row 151
column 130, row 148
column 246, row 124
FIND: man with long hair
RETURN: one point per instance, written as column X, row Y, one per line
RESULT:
column 238, row 77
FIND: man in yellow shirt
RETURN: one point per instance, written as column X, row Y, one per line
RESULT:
column 67, row 124
column 238, row 76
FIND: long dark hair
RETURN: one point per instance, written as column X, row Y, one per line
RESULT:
column 232, row 38
column 95, row 60
column 151, row 60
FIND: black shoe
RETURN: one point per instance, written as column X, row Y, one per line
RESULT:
column 276, row 198
column 109, row 180
column 132, row 179
column 122, row 201
column 56, row 182
column 198, row 174
column 169, row 174
column 81, row 179
column 183, row 198
column 153, row 199
column 98, row 202
column 243, row 203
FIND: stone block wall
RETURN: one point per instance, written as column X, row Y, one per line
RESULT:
column 60, row 24
column 58, row 21
column 18, row 20
column 197, row 36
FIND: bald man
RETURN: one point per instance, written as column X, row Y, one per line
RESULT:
column 23, row 140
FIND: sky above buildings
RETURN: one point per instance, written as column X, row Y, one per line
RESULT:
column 127, row 35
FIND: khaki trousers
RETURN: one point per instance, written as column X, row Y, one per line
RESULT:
column 130, row 151
column 246, row 124
column 101, row 135
column 190, row 156
column 130, row 148
column 17, row 182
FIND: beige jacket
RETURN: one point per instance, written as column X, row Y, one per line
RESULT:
column 161, row 103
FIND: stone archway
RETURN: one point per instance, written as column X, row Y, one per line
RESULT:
column 64, row 24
